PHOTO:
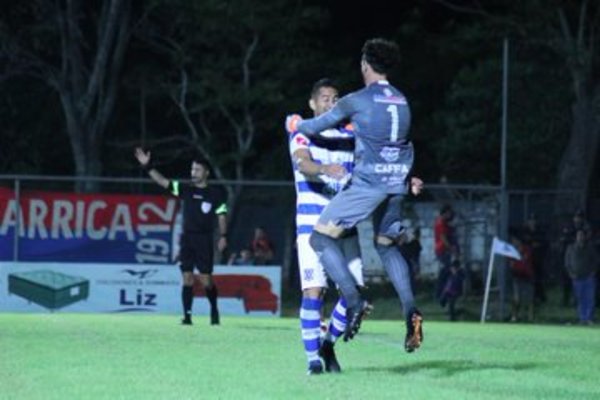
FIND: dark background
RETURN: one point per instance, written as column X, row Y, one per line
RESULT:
column 451, row 72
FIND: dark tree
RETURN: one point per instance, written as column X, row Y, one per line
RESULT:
column 78, row 50
column 570, row 31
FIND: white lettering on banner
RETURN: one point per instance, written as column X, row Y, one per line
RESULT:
column 89, row 226
column 37, row 212
column 121, row 212
column 62, row 213
column 166, row 215
column 391, row 169
column 154, row 250
column 10, row 219
column 146, row 229
column 149, row 248
column 79, row 214
column 68, row 219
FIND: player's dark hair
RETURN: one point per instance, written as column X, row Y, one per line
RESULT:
column 381, row 54
column 322, row 83
column 202, row 161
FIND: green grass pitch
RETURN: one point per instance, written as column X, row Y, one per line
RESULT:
column 95, row 356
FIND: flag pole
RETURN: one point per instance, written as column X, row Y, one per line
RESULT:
column 488, row 282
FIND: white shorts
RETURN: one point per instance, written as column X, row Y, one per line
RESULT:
column 312, row 273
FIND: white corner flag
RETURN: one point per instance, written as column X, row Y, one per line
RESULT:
column 504, row 249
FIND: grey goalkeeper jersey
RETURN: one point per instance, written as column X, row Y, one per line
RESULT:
column 380, row 116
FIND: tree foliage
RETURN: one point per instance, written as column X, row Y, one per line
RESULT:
column 469, row 122
column 566, row 36
column 218, row 77
column 78, row 51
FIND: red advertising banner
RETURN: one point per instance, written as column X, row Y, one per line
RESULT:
column 61, row 226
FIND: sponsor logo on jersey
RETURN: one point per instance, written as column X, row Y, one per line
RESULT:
column 389, row 99
column 390, row 154
column 391, row 169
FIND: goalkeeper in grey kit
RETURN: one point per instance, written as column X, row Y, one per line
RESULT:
column 380, row 116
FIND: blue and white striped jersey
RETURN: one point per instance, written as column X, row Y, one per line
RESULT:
column 313, row 193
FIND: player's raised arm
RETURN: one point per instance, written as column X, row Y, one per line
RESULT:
column 340, row 112
column 144, row 158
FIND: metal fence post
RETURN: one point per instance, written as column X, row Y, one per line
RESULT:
column 17, row 220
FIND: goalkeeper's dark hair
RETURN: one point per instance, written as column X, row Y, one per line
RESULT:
column 322, row 83
column 381, row 54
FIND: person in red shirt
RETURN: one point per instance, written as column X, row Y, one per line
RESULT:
column 445, row 245
column 261, row 247
column 522, row 277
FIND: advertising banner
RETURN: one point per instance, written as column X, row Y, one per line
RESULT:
column 56, row 226
column 131, row 288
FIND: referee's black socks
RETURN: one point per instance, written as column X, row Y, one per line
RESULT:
column 187, row 297
column 211, row 295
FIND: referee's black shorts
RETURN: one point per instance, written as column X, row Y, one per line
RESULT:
column 197, row 252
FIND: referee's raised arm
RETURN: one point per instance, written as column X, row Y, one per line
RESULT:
column 144, row 158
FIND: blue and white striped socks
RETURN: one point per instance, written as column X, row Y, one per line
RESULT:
column 310, row 322
column 337, row 323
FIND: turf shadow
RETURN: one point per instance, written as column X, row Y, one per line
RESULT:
column 449, row 367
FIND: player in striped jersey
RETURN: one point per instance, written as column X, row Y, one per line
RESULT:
column 381, row 117
column 322, row 166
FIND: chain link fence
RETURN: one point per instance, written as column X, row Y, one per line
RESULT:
column 271, row 205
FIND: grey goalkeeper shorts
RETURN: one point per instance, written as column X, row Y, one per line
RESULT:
column 359, row 202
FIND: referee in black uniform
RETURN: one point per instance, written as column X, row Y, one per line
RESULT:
column 201, row 203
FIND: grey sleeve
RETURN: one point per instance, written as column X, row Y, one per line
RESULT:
column 342, row 110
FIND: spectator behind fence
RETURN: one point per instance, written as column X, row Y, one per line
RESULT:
column 244, row 257
column 523, row 278
column 453, row 289
column 261, row 247
column 567, row 237
column 534, row 236
column 446, row 245
column 581, row 262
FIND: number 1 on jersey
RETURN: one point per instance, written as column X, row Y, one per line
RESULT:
column 392, row 109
